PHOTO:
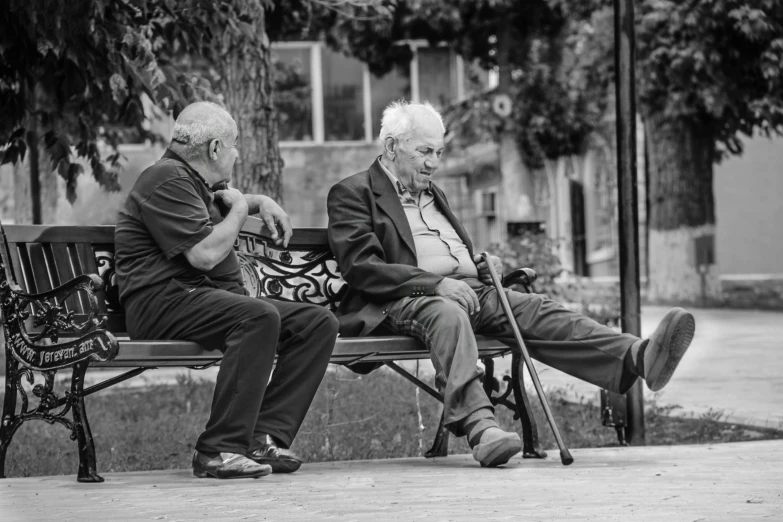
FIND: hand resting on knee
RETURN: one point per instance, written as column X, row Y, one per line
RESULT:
column 460, row 292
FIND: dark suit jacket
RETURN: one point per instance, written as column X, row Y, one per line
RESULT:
column 372, row 241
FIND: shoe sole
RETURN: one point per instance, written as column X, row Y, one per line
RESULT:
column 497, row 452
column 675, row 342
column 281, row 466
column 207, row 474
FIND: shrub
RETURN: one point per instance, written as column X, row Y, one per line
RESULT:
column 598, row 301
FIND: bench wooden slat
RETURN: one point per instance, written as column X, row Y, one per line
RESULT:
column 303, row 237
column 40, row 271
column 16, row 265
column 64, row 273
column 25, row 277
column 151, row 354
column 59, row 234
column 52, row 273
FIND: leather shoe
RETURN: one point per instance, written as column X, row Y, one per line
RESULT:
column 227, row 466
column 270, row 453
column 667, row 346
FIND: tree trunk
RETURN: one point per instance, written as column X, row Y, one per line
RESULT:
column 246, row 83
column 35, row 181
column 35, row 188
column 682, row 213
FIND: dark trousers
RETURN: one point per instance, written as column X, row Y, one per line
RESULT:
column 249, row 332
column 561, row 338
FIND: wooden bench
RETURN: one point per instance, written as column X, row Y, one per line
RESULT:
column 60, row 310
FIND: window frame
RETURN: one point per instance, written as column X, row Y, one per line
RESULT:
column 317, row 91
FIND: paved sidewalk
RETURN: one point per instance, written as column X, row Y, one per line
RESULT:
column 722, row 482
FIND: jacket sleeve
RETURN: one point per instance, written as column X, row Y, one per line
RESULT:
column 361, row 257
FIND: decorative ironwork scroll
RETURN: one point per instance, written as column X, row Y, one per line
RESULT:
column 39, row 349
column 104, row 260
column 305, row 276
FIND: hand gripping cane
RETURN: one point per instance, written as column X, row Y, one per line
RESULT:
column 565, row 455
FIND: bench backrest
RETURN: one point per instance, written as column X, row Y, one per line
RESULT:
column 42, row 257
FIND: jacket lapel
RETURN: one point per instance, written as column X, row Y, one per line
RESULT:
column 440, row 199
column 388, row 201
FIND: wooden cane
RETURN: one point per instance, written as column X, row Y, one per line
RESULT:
column 565, row 455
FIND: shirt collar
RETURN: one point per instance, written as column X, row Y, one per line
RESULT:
column 402, row 190
column 170, row 154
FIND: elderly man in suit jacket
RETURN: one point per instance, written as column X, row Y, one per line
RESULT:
column 411, row 270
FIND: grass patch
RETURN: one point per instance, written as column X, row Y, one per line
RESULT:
column 353, row 417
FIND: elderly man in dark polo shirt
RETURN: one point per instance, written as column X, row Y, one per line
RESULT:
column 180, row 278
column 411, row 270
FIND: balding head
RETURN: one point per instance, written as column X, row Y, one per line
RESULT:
column 198, row 124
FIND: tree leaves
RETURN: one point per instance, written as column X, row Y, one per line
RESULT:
column 81, row 68
column 715, row 63
column 554, row 105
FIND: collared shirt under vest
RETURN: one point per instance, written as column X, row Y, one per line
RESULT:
column 439, row 249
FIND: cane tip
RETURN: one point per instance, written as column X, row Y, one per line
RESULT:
column 565, row 457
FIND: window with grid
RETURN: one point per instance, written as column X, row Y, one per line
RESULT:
column 322, row 96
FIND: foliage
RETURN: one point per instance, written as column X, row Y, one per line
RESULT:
column 352, row 417
column 600, row 302
column 532, row 250
column 292, row 99
column 537, row 44
column 74, row 73
column 717, row 64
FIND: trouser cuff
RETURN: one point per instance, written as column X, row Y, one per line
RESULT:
column 456, row 424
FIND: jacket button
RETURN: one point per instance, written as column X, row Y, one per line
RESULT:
column 384, row 312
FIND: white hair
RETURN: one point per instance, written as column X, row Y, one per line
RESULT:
column 201, row 122
column 398, row 118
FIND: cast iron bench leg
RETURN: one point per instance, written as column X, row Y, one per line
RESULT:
column 440, row 446
column 8, row 425
column 81, row 428
column 521, row 405
column 531, row 448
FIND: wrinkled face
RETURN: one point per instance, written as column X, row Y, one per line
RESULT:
column 223, row 154
column 228, row 154
column 417, row 155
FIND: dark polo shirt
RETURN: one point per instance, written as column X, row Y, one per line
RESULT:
column 169, row 210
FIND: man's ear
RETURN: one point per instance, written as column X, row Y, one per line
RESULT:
column 390, row 145
column 214, row 147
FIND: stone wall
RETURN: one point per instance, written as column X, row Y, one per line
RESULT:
column 311, row 170
column 759, row 293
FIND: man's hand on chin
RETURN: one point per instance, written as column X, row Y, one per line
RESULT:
column 483, row 269
column 460, row 292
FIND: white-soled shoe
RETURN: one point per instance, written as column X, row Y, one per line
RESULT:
column 496, row 447
column 228, row 466
column 667, row 346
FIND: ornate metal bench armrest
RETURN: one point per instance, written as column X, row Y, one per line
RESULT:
column 49, row 310
column 521, row 276
column 87, row 282
column 40, row 349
